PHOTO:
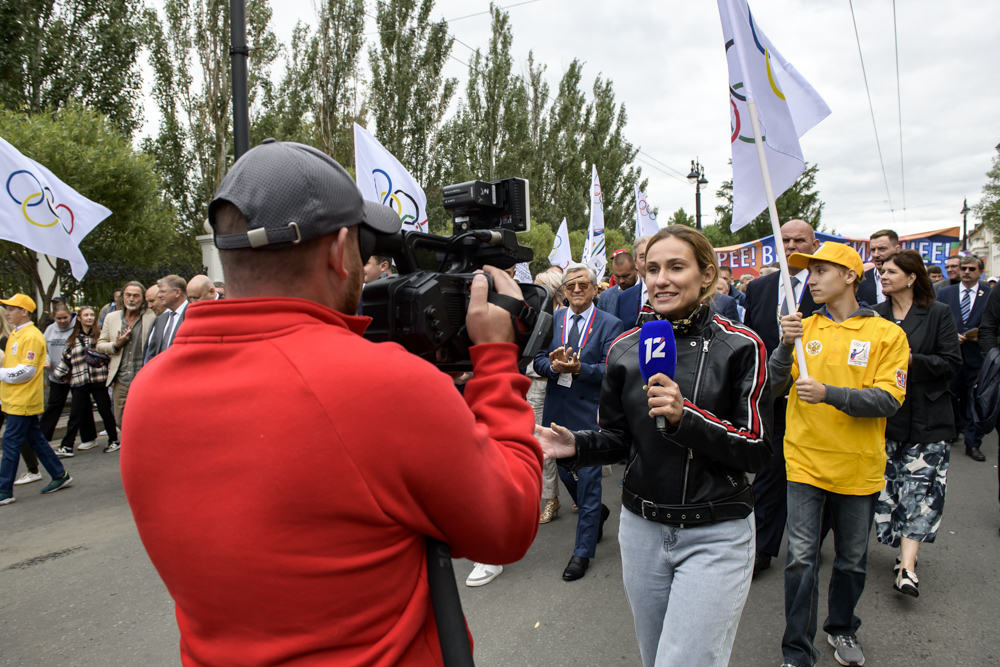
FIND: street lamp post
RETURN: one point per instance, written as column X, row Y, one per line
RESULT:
column 965, row 233
column 697, row 176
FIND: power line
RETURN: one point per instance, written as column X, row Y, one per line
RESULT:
column 899, row 108
column 872, row 109
column 446, row 21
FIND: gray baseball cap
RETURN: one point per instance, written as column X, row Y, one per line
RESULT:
column 291, row 192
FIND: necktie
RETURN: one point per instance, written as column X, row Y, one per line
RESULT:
column 168, row 330
column 574, row 332
column 966, row 304
column 784, row 302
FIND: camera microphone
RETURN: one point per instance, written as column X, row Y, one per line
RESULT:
column 657, row 354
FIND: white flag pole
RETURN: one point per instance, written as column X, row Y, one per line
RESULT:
column 786, row 277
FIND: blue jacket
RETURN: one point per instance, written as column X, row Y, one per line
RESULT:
column 575, row 407
column 951, row 295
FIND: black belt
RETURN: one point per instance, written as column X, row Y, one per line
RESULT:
column 738, row 506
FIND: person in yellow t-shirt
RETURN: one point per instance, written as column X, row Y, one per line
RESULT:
column 834, row 445
column 22, row 366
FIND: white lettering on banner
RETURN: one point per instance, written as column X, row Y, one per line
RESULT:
column 767, row 255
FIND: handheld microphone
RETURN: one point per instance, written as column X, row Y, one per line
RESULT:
column 657, row 354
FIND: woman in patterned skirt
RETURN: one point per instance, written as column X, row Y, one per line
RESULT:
column 918, row 437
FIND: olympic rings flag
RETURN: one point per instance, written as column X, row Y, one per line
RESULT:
column 561, row 255
column 42, row 213
column 594, row 251
column 381, row 178
column 787, row 107
column 645, row 219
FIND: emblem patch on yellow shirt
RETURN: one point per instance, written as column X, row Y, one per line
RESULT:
column 814, row 347
column 30, row 356
column 858, row 355
column 13, row 347
column 901, row 378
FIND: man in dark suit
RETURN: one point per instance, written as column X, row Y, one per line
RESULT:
column 626, row 275
column 954, row 276
column 765, row 299
column 173, row 297
column 967, row 301
column 573, row 363
column 882, row 245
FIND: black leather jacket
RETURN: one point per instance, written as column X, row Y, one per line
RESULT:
column 724, row 432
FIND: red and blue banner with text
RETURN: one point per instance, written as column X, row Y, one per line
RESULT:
column 934, row 246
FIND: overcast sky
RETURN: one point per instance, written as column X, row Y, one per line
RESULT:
column 668, row 65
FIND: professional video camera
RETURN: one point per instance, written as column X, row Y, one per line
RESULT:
column 423, row 307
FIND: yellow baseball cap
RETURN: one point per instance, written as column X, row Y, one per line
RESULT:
column 835, row 253
column 20, row 301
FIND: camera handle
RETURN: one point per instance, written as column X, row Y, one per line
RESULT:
column 452, row 633
column 538, row 324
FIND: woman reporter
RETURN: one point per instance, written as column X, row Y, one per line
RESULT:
column 687, row 526
column 918, row 437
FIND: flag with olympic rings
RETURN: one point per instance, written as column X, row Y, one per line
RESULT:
column 381, row 178
column 594, row 250
column 787, row 107
column 42, row 213
column 561, row 255
column 645, row 219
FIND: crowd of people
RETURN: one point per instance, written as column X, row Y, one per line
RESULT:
column 265, row 566
column 89, row 355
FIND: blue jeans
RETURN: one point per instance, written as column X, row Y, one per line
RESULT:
column 21, row 429
column 852, row 523
column 687, row 587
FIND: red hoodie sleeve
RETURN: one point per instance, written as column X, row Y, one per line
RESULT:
column 467, row 472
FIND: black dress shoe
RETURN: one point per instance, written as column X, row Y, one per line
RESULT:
column 605, row 513
column 761, row 561
column 975, row 453
column 576, row 569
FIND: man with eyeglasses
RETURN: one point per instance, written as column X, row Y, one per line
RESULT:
column 574, row 365
column 968, row 302
column 173, row 298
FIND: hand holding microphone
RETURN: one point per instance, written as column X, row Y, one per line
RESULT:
column 657, row 363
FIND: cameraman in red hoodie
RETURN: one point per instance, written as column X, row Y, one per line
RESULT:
column 299, row 536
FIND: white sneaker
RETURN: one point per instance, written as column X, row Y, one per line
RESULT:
column 83, row 446
column 102, row 434
column 27, row 477
column 483, row 574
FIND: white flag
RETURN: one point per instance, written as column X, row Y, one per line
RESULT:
column 42, row 213
column 645, row 219
column 787, row 107
column 381, row 178
column 593, row 250
column 561, row 255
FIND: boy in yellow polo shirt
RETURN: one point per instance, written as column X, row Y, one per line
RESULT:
column 834, row 445
column 21, row 398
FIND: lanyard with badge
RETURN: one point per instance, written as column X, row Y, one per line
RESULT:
column 566, row 379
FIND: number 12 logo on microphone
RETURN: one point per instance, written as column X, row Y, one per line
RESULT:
column 655, row 352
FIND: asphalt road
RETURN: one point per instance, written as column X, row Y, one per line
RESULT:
column 76, row 587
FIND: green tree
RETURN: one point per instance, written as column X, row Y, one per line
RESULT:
column 540, row 239
column 988, row 208
column 59, row 52
column 801, row 202
column 193, row 90
column 567, row 190
column 409, row 94
column 88, row 153
column 680, row 217
column 604, row 144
